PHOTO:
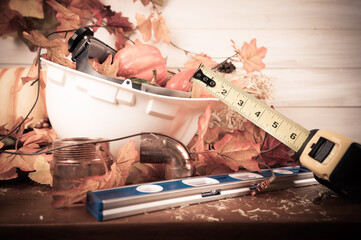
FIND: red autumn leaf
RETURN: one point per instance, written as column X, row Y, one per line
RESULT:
column 99, row 18
column 251, row 56
column 118, row 21
column 84, row 8
column 199, row 59
column 120, row 39
column 144, row 26
column 10, row 19
column 235, row 154
column 276, row 153
column 160, row 29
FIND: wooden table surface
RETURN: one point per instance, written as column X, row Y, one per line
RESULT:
column 291, row 213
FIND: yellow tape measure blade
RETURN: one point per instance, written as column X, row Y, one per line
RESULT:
column 285, row 130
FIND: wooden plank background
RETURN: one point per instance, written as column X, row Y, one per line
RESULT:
column 314, row 53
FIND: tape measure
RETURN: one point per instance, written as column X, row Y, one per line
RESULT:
column 334, row 159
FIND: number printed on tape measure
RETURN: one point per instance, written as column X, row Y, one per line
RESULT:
column 265, row 117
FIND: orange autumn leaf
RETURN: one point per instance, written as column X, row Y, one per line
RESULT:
column 251, row 56
column 144, row 26
column 9, row 163
column 120, row 39
column 32, row 76
column 160, row 29
column 275, row 152
column 234, row 153
column 38, row 137
column 28, row 8
column 85, row 9
column 203, row 122
column 210, row 168
column 57, row 50
column 42, row 172
column 198, row 59
column 108, row 67
column 68, row 19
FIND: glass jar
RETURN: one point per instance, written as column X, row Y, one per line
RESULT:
column 71, row 165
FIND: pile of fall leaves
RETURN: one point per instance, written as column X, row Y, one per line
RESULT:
column 225, row 142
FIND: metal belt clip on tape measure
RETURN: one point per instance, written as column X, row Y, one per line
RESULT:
column 334, row 159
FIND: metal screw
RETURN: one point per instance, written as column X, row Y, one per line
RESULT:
column 212, row 83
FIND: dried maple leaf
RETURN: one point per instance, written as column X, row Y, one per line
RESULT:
column 57, row 50
column 10, row 19
column 235, row 154
column 118, row 21
column 199, row 59
column 28, row 8
column 31, row 142
column 250, row 132
column 9, row 163
column 120, row 39
column 211, row 168
column 42, row 172
column 212, row 134
column 275, row 152
column 141, row 173
column 251, row 56
column 144, row 26
column 203, row 122
column 32, row 76
column 38, row 137
column 84, row 8
column 107, row 68
column 68, row 19
column 160, row 29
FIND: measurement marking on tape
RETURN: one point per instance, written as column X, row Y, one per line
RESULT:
column 290, row 133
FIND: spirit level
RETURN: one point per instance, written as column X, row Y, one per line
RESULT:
column 137, row 199
column 334, row 159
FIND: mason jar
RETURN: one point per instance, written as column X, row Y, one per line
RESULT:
column 73, row 164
